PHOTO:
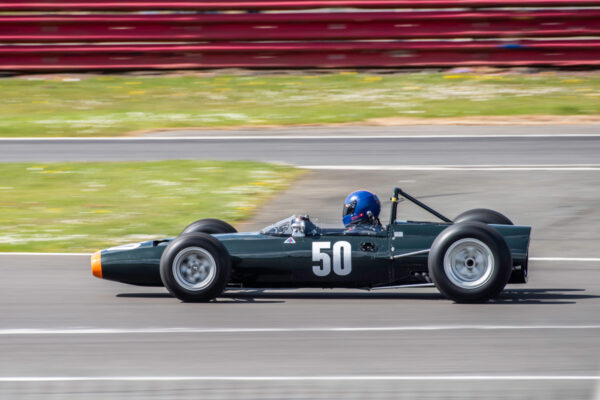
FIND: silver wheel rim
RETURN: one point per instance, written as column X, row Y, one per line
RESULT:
column 194, row 268
column 469, row 263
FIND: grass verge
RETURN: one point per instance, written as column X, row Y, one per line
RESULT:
column 73, row 207
column 115, row 105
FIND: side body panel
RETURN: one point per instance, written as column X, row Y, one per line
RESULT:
column 331, row 259
column 410, row 244
column 328, row 260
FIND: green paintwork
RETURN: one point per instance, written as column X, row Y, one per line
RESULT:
column 265, row 261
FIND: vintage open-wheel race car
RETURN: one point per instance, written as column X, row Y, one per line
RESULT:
column 469, row 259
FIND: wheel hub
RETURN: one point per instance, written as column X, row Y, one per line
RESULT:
column 194, row 268
column 468, row 263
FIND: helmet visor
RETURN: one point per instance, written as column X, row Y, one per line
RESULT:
column 349, row 208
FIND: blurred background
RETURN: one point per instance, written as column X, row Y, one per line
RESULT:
column 126, row 121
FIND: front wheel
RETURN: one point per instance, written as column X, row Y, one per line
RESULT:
column 195, row 267
column 470, row 262
column 209, row 225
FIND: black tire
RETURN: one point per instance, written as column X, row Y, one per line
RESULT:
column 210, row 226
column 483, row 215
column 475, row 243
column 180, row 261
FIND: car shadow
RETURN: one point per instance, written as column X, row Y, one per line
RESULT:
column 507, row 297
column 222, row 299
column 327, row 295
column 542, row 296
column 146, row 295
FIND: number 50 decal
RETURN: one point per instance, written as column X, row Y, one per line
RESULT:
column 342, row 258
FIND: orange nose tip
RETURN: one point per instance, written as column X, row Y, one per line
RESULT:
column 97, row 264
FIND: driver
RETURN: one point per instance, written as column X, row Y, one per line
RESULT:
column 361, row 212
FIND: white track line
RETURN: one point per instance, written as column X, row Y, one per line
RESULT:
column 332, row 378
column 496, row 167
column 564, row 259
column 128, row 331
column 287, row 137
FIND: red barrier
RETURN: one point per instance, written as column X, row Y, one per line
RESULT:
column 480, row 35
column 558, row 45
column 77, row 5
column 304, row 26
column 299, row 55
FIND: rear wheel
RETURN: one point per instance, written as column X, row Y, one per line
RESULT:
column 483, row 215
column 195, row 267
column 210, row 226
column 470, row 262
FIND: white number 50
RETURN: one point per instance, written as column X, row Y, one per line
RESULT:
column 342, row 258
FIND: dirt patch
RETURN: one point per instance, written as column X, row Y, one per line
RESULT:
column 403, row 121
column 489, row 120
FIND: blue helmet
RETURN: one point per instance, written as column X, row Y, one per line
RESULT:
column 360, row 206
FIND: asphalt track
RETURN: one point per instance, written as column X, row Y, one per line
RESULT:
column 535, row 341
column 341, row 146
column 68, row 335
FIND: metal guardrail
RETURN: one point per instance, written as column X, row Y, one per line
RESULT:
column 301, row 26
column 506, row 36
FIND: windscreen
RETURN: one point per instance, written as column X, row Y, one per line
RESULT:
column 283, row 227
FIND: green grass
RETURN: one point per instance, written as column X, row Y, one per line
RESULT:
column 72, row 207
column 116, row 105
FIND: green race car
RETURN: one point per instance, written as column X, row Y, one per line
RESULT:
column 469, row 259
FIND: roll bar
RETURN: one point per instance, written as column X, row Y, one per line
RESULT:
column 401, row 193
